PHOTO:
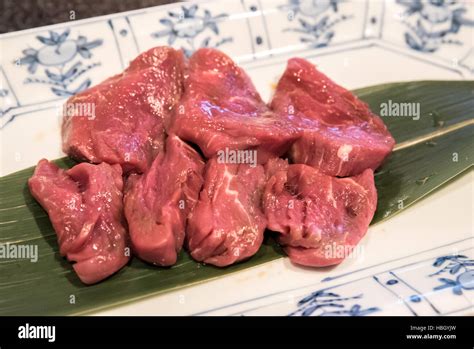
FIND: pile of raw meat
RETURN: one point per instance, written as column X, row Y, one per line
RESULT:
column 185, row 152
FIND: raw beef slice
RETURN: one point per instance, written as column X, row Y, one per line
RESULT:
column 320, row 218
column 85, row 207
column 227, row 224
column 221, row 109
column 158, row 202
column 121, row 120
column 341, row 136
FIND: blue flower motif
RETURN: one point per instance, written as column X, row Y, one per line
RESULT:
column 454, row 265
column 435, row 22
column 56, row 55
column 330, row 304
column 310, row 8
column 316, row 18
column 188, row 24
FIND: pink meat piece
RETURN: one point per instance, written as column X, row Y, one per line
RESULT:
column 85, row 207
column 227, row 224
column 320, row 218
column 158, row 202
column 340, row 135
column 221, row 109
column 129, row 112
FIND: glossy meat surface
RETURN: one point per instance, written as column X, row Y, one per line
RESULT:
column 85, row 207
column 221, row 109
column 121, row 120
column 320, row 218
column 158, row 202
column 340, row 135
column 227, row 224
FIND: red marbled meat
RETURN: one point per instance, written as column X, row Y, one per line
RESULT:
column 320, row 218
column 158, row 202
column 341, row 136
column 227, row 224
column 147, row 125
column 221, row 109
column 130, row 110
column 85, row 207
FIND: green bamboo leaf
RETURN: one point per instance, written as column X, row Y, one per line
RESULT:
column 423, row 160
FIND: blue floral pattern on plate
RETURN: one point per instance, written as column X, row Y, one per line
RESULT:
column 433, row 33
column 187, row 24
column 323, row 303
column 462, row 270
column 61, row 60
column 316, row 19
column 437, row 21
column 57, row 56
column 407, row 288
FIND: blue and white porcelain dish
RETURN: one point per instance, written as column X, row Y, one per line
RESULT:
column 420, row 262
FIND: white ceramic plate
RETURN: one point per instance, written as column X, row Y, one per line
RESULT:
column 417, row 263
